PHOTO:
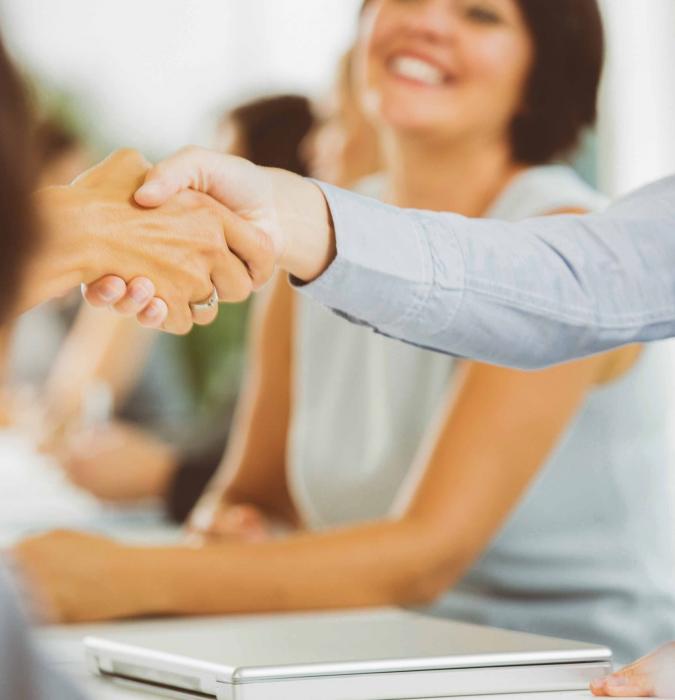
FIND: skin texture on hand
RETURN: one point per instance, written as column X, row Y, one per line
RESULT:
column 651, row 676
column 291, row 211
column 289, row 223
column 94, row 226
column 78, row 577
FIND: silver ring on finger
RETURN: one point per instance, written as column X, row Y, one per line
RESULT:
column 207, row 304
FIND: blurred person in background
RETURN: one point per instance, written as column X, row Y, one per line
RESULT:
column 61, row 156
column 506, row 498
column 343, row 148
column 129, row 460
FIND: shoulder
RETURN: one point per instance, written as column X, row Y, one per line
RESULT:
column 544, row 189
column 371, row 186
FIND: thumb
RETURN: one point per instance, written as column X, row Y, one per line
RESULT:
column 161, row 183
column 190, row 168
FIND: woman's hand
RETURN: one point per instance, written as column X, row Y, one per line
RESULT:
column 118, row 463
column 94, row 226
column 83, row 578
column 652, row 676
column 216, row 517
column 289, row 221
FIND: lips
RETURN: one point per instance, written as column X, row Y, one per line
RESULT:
column 418, row 70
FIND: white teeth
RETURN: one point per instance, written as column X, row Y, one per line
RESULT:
column 417, row 69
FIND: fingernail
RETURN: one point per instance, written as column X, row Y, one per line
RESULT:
column 109, row 292
column 152, row 312
column 141, row 292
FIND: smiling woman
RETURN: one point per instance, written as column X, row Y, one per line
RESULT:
column 563, row 54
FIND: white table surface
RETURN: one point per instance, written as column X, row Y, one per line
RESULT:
column 34, row 497
column 64, row 646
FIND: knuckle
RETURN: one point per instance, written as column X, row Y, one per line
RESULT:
column 190, row 151
column 129, row 155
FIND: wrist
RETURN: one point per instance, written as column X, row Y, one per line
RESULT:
column 59, row 263
column 153, row 576
column 305, row 220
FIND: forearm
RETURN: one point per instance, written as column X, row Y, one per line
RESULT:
column 307, row 571
column 524, row 294
column 61, row 261
column 103, row 348
column 254, row 468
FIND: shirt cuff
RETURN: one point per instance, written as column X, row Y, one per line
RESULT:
column 383, row 267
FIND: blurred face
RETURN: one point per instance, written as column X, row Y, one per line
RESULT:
column 445, row 68
column 343, row 147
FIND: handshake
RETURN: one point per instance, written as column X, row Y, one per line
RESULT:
column 167, row 243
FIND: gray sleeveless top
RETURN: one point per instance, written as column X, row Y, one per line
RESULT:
column 588, row 554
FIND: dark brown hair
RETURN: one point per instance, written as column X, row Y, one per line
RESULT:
column 52, row 140
column 561, row 94
column 17, row 230
column 272, row 130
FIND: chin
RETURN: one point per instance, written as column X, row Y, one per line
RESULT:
column 415, row 123
column 416, row 116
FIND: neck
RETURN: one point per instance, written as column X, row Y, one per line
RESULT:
column 464, row 177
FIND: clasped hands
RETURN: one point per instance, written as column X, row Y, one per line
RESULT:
column 156, row 242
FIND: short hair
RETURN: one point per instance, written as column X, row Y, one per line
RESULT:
column 561, row 94
column 273, row 129
column 17, row 178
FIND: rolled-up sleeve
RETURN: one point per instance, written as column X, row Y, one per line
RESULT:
column 525, row 294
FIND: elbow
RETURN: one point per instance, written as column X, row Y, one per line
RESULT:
column 426, row 585
column 427, row 576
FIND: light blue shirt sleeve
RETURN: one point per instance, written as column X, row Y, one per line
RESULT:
column 526, row 294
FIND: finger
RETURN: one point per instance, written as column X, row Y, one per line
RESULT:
column 623, row 685
column 232, row 279
column 190, row 168
column 251, row 245
column 241, row 521
column 179, row 320
column 140, row 292
column 154, row 315
column 204, row 315
column 105, row 291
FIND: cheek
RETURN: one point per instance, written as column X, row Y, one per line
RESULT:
column 500, row 67
column 379, row 29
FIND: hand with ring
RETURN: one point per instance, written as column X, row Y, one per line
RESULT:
column 171, row 263
column 276, row 218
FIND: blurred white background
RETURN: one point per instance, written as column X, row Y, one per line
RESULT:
column 148, row 73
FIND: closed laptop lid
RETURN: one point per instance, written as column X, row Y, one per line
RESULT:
column 291, row 646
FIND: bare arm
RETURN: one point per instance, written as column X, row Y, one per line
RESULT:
column 469, row 485
column 99, row 348
column 253, row 470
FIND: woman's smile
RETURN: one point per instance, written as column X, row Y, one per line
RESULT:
column 418, row 70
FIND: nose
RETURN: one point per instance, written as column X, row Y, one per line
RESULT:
column 434, row 20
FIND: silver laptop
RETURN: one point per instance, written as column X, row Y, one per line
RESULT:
column 381, row 655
